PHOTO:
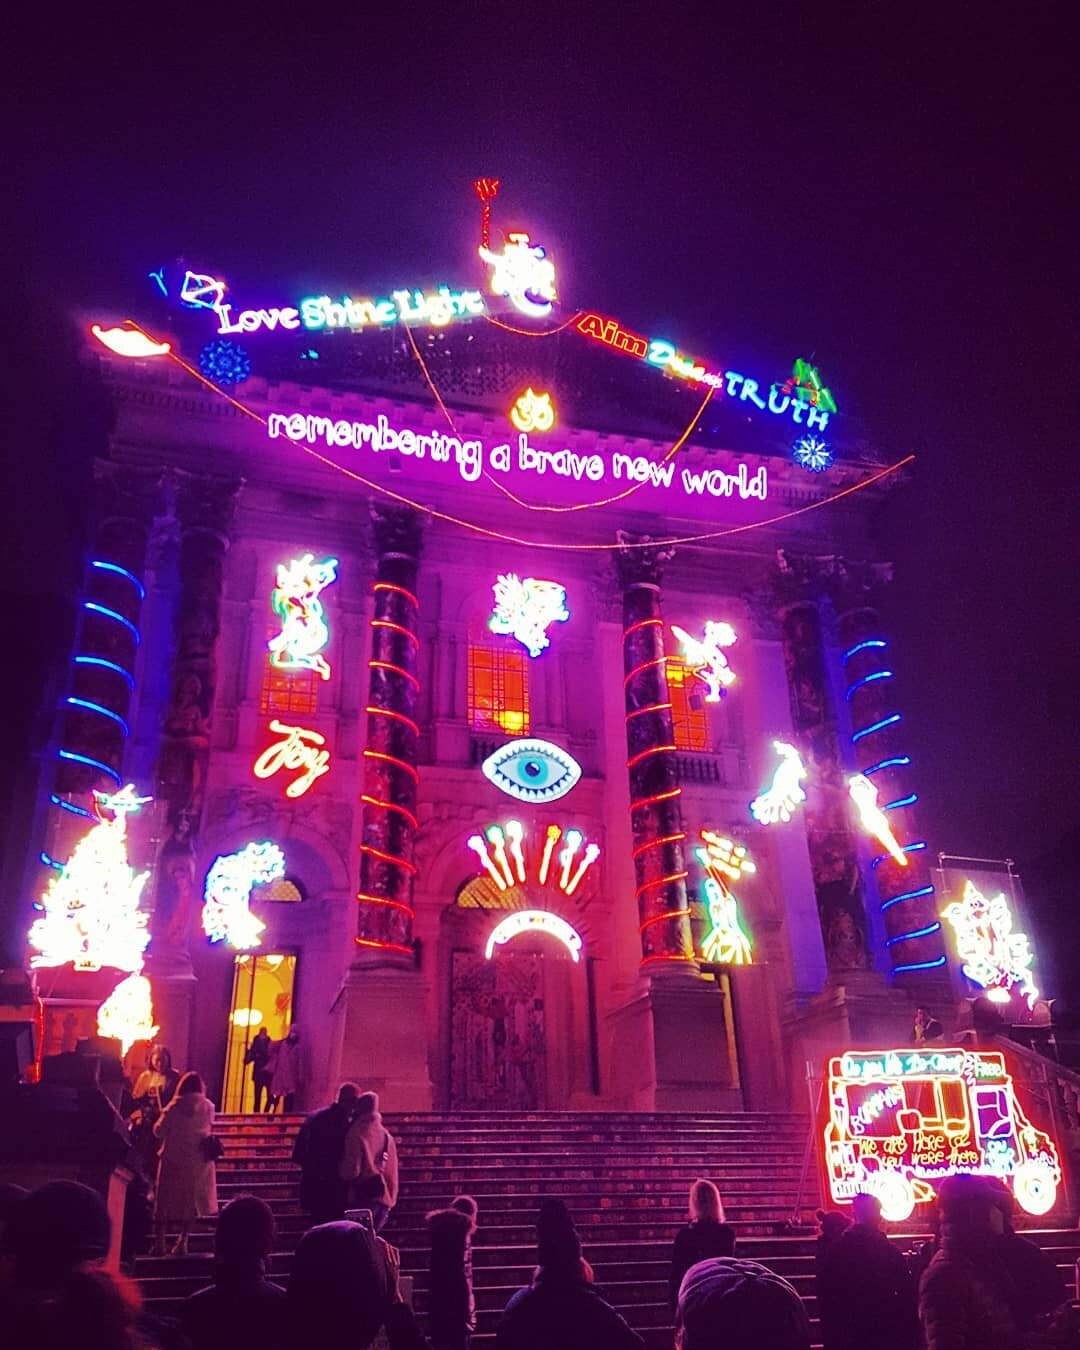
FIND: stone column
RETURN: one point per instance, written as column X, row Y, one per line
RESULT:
column 655, row 805
column 390, row 777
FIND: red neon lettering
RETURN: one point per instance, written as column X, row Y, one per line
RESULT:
column 612, row 335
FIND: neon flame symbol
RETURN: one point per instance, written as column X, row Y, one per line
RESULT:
column 128, row 342
column 874, row 821
column 508, row 861
column 479, row 847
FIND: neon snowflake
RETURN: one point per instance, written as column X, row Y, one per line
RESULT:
column 303, row 620
column 226, row 913
column 225, row 362
column 813, row 454
column 523, row 273
column 525, row 608
column 705, row 658
column 993, row 956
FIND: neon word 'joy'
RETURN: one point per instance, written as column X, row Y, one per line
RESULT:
column 298, row 748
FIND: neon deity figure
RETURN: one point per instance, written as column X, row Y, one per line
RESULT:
column 993, row 956
column 534, row 921
column 504, row 854
column 297, row 748
column 705, row 658
column 531, row 770
column 524, row 608
column 303, row 620
column 533, row 412
column 226, row 914
column 91, row 914
column 901, row 1121
column 784, row 794
column 726, row 943
column 524, row 274
column 127, row 1015
column 128, row 342
column 874, row 820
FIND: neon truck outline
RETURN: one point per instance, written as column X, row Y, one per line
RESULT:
column 900, row 1121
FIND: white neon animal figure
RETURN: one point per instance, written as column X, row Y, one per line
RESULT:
column 706, row 659
column 303, row 620
column 228, row 889
column 783, row 795
column 525, row 607
column 864, row 795
column 993, row 956
column 726, row 943
column 524, row 274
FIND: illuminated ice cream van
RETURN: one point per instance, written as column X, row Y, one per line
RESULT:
column 900, row 1121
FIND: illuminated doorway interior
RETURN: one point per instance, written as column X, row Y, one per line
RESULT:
column 262, row 996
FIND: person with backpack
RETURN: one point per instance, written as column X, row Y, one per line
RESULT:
column 370, row 1161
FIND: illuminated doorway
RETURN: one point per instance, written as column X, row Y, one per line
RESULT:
column 262, row 996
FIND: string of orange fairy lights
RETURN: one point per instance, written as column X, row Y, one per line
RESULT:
column 502, row 535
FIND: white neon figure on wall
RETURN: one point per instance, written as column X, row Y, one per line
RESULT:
column 303, row 620
column 127, row 1015
column 706, row 659
column 534, row 921
column 128, row 342
column 874, row 820
column 992, row 955
column 226, row 913
column 726, row 943
column 525, row 608
column 523, row 273
column 783, row 795
column 91, row 914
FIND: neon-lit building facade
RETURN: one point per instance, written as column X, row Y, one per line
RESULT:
column 372, row 763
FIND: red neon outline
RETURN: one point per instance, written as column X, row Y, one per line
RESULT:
column 391, row 806
column 388, row 857
column 650, row 750
column 384, row 946
column 400, row 590
column 641, row 623
column 667, row 914
column 653, row 707
column 664, row 956
column 656, row 797
column 382, row 900
column 397, row 627
column 393, row 759
column 389, row 665
column 652, row 843
column 389, row 712
column 661, row 881
column 657, row 661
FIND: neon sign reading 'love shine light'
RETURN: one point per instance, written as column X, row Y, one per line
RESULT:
column 318, row 312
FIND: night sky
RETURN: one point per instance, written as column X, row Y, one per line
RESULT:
column 882, row 188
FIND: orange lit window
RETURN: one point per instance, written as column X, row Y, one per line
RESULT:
column 292, row 692
column 498, row 689
column 689, row 715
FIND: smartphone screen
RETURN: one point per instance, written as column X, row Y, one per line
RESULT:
column 361, row 1216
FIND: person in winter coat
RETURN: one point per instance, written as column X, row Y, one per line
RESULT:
column 370, row 1164
column 319, row 1149
column 705, row 1235
column 154, row 1089
column 186, row 1183
column 864, row 1289
column 242, row 1307
column 966, row 1297
column 259, row 1055
column 453, row 1306
column 740, row 1305
column 289, row 1078
column 560, row 1310
column 1034, row 1275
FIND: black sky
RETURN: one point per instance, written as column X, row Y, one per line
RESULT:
column 883, row 186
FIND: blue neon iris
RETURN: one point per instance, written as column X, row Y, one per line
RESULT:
column 76, row 758
column 866, row 679
column 908, row 848
column 876, row 726
column 920, row 965
column 887, row 764
column 97, row 708
column 70, row 806
column 106, row 665
column 112, row 614
column 861, row 647
column 122, row 572
column 908, row 895
column 909, row 800
column 915, row 933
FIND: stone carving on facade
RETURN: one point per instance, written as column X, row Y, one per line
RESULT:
column 639, row 560
column 398, row 531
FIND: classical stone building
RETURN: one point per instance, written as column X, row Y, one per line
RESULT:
column 402, row 858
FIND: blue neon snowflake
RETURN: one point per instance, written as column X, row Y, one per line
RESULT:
column 812, row 454
column 225, row 362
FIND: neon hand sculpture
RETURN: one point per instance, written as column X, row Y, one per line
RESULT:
column 874, row 821
column 779, row 800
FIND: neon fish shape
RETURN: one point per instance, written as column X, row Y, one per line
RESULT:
column 525, row 608
column 523, row 273
column 303, row 620
column 864, row 794
column 783, row 795
column 992, row 955
column 226, row 913
column 706, row 659
column 127, row 1015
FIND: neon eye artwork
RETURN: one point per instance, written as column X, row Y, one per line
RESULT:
column 784, row 794
column 525, row 608
column 523, row 273
column 226, row 914
column 532, row 771
column 706, row 659
column 303, row 620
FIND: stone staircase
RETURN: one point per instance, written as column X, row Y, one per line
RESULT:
column 624, row 1177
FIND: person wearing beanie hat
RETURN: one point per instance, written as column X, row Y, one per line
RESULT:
column 560, row 1310
column 729, row 1304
